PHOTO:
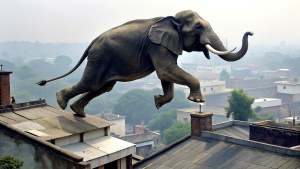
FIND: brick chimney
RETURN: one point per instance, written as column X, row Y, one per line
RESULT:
column 4, row 87
column 200, row 122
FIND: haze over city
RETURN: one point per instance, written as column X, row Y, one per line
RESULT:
column 82, row 21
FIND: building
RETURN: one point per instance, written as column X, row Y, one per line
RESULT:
column 249, row 83
column 118, row 120
column 241, row 72
column 207, row 87
column 268, row 105
column 288, row 91
column 146, row 141
column 47, row 137
column 223, row 145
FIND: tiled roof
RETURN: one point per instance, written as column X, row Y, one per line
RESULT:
column 210, row 153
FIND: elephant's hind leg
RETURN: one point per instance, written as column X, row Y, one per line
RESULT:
column 79, row 104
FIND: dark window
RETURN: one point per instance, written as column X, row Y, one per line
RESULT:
column 284, row 87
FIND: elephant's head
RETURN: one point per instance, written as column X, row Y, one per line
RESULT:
column 189, row 32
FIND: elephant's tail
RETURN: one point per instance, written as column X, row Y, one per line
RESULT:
column 85, row 54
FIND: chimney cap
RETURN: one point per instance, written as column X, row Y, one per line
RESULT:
column 3, row 72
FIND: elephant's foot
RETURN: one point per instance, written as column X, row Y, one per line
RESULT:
column 62, row 100
column 196, row 97
column 79, row 110
column 158, row 104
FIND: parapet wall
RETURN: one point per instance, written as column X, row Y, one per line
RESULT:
column 269, row 132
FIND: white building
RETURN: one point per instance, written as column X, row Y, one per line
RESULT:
column 118, row 120
column 288, row 87
column 214, row 68
column 266, row 102
column 207, row 87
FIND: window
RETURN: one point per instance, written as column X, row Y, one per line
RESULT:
column 284, row 87
column 212, row 89
column 184, row 119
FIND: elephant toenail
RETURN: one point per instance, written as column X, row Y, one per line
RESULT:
column 198, row 100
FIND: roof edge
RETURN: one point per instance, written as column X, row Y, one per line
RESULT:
column 163, row 150
column 251, row 143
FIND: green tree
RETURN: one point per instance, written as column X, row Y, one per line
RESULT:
column 176, row 131
column 224, row 75
column 63, row 61
column 9, row 162
column 239, row 106
column 24, row 72
column 162, row 121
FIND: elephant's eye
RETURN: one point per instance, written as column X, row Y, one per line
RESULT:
column 198, row 28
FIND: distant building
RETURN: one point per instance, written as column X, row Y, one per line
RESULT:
column 270, row 74
column 219, row 115
column 268, row 105
column 145, row 140
column 288, row 91
column 119, row 122
column 249, row 83
column 241, row 72
column 207, row 87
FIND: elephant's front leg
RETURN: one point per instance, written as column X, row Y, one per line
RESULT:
column 167, row 70
column 168, row 89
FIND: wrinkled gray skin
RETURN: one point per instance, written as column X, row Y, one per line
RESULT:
column 136, row 49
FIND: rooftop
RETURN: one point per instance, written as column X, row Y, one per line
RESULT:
column 288, row 82
column 109, row 116
column 47, row 122
column 228, row 146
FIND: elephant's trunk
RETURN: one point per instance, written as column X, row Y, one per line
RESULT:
column 217, row 45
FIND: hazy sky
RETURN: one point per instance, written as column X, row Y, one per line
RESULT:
column 271, row 21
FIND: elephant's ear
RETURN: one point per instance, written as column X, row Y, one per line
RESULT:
column 165, row 32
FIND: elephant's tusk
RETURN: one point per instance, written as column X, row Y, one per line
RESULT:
column 217, row 52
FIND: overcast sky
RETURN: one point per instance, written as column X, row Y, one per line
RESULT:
column 271, row 21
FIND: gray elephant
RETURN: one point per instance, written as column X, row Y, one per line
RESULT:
column 137, row 48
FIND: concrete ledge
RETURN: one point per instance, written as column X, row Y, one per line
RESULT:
column 241, row 123
column 222, row 125
column 250, row 143
column 21, row 106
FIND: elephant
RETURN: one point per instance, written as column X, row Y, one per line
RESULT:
column 136, row 49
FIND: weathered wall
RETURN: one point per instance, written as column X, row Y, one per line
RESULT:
column 220, row 99
column 34, row 153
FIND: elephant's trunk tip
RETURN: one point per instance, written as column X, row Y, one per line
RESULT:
column 250, row 33
column 42, row 82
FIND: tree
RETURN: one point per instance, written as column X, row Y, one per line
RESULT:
column 63, row 61
column 239, row 106
column 9, row 162
column 177, row 131
column 224, row 75
column 25, row 72
column 162, row 121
